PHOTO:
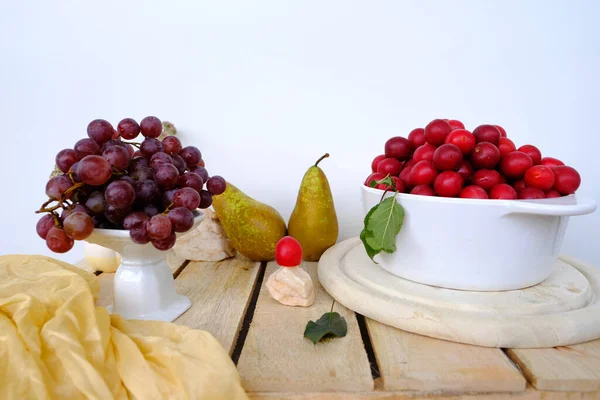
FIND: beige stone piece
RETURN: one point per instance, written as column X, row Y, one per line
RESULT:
column 291, row 286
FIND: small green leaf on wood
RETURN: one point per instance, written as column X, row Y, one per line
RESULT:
column 331, row 324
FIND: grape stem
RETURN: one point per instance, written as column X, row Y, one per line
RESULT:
column 60, row 203
column 71, row 190
column 168, row 209
column 134, row 144
column 51, row 209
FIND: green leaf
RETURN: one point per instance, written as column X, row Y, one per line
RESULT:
column 330, row 324
column 387, row 181
column 382, row 225
column 371, row 252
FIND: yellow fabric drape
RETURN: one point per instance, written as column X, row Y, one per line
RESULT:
column 56, row 344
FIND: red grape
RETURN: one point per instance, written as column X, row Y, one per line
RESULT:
column 159, row 227
column 465, row 169
column 58, row 241
column 147, row 192
column 485, row 155
column 514, row 164
column 519, row 185
column 78, row 226
column 166, row 176
column 134, row 218
column 167, row 197
column 205, row 199
column 178, row 163
column 201, row 171
column 159, row 159
column 447, row 157
column 448, row 184
column 566, row 180
column 57, row 185
column 65, row 159
column 487, row 133
column 201, row 163
column 172, row 145
column 422, row 190
column 150, row 146
column 456, row 124
column 540, row 177
column 398, row 147
column 119, row 194
column 187, row 197
column 551, row 162
column 73, row 172
column 86, row 147
column 502, row 131
column 139, row 234
column 100, row 131
column 141, row 173
column 486, row 178
column 94, row 170
column 531, row 151
column 150, row 210
column 436, row 131
column 139, row 161
column 117, row 157
column 463, row 139
column 550, row 194
column 424, row 152
column 164, row 244
column 473, row 192
column 190, row 179
column 151, row 127
column 72, row 209
column 96, row 203
column 503, row 191
column 191, row 155
column 181, row 218
column 44, row 225
column 137, row 153
column 389, row 166
column 376, row 176
column 376, row 162
column 505, row 145
column 530, row 193
column 422, row 173
column 128, row 128
column 416, row 137
column 216, row 185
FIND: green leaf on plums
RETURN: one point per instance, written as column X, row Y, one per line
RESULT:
column 386, row 181
column 381, row 226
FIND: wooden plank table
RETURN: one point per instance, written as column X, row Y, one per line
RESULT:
column 373, row 361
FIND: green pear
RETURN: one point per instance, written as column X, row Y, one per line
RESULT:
column 252, row 227
column 314, row 221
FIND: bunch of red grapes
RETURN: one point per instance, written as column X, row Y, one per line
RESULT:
column 107, row 184
column 444, row 159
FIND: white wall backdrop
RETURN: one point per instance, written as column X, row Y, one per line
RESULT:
column 264, row 88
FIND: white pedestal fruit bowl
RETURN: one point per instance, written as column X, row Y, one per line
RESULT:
column 143, row 285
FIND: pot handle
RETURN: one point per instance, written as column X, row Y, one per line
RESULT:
column 559, row 207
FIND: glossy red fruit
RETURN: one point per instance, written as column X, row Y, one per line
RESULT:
column 473, row 192
column 416, row 137
column 463, row 139
column 422, row 173
column 485, row 155
column 376, row 162
column 530, row 193
column 423, row 190
column 436, row 131
column 447, row 157
column 487, row 133
column 400, row 187
column 502, row 131
column 551, row 162
column 376, row 176
column 486, row 178
column 424, row 152
column 288, row 252
column 566, row 180
column 456, row 124
column 514, row 164
column 465, row 169
column 550, row 194
column 390, row 166
column 533, row 152
column 505, row 145
column 519, row 185
column 398, row 147
column 503, row 191
column 539, row 176
column 448, row 184
column 405, row 174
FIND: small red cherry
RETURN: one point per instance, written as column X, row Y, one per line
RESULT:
column 288, row 252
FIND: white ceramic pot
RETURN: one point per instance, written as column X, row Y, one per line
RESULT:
column 143, row 285
column 472, row 244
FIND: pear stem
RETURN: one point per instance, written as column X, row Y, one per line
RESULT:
column 321, row 159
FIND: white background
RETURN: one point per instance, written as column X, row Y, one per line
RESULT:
column 264, row 88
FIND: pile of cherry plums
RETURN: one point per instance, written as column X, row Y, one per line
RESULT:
column 444, row 159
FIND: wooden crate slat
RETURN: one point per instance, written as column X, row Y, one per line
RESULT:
column 277, row 358
column 220, row 293
column 569, row 368
column 408, row 361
